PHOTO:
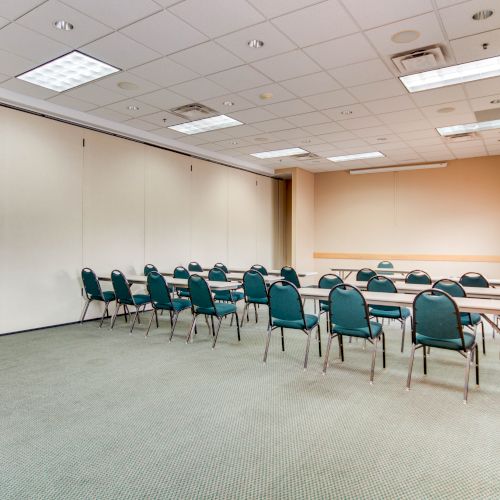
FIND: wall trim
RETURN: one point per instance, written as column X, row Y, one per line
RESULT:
column 403, row 256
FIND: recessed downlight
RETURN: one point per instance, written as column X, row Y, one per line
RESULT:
column 481, row 15
column 495, row 101
column 228, row 103
column 405, row 36
column 346, row 112
column 63, row 25
column 127, row 86
column 133, row 108
column 265, row 96
column 255, row 44
column 447, row 109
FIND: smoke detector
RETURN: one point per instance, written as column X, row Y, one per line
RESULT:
column 420, row 60
column 194, row 111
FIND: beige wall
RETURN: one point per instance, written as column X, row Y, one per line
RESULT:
column 114, row 204
column 450, row 211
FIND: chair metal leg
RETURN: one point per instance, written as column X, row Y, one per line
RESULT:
column 136, row 316
column 117, row 308
column 403, row 324
column 237, row 325
column 477, row 364
column 341, row 347
column 216, row 332
column 85, row 308
column 425, row 360
column 269, row 330
column 383, row 348
column 208, row 325
column 104, row 314
column 125, row 308
column 327, row 353
column 174, row 322
column 171, row 319
column 150, row 322
column 307, row 348
column 410, row 366
column 256, row 313
column 193, row 326
column 282, row 340
column 374, row 354
column 482, row 332
column 319, row 339
column 245, row 307
column 213, row 329
column 467, row 371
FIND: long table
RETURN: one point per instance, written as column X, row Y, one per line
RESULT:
column 142, row 280
column 231, row 276
column 271, row 272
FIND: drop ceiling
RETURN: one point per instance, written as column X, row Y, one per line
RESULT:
column 327, row 65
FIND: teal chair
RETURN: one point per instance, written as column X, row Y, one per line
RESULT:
column 255, row 292
column 218, row 274
column 327, row 281
column 220, row 265
column 418, row 277
column 262, row 270
column 385, row 264
column 203, row 303
column 161, row 300
column 182, row 273
column 469, row 320
column 290, row 274
column 474, row 280
column 287, row 311
column 365, row 274
column 125, row 298
column 194, row 267
column 401, row 314
column 148, row 268
column 93, row 291
column 437, row 323
column 349, row 316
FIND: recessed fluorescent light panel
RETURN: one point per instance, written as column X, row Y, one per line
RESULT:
column 206, row 124
column 279, row 153
column 67, row 72
column 359, row 156
column 460, row 73
column 396, row 169
column 469, row 127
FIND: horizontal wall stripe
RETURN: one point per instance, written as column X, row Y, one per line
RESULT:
column 405, row 256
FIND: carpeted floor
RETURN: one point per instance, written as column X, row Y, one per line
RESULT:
column 87, row 413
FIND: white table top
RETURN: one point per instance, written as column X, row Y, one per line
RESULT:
column 271, row 272
column 233, row 276
column 376, row 269
column 142, row 280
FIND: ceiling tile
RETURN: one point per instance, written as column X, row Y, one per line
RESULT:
column 120, row 51
column 91, row 92
column 342, row 51
column 409, row 126
column 380, row 131
column 452, row 119
column 241, row 131
column 334, row 137
column 163, row 119
column 272, row 125
column 357, row 123
column 3, row 22
column 140, row 124
column 164, row 99
column 12, row 9
column 26, row 88
column 42, row 20
column 142, row 86
column 376, row 141
column 164, row 72
column 371, row 14
column 295, row 134
column 113, row 12
column 166, row 133
column 206, row 58
column 122, row 107
column 274, row 42
column 439, row 96
column 409, row 115
column 13, row 65
column 278, row 94
column 378, row 90
column 109, row 114
column 470, row 48
column 72, row 103
column 418, row 134
column 452, row 108
column 347, row 112
column 199, row 89
column 164, row 33
column 480, row 88
column 287, row 66
column 324, row 128
column 316, row 83
column 486, row 102
column 289, row 108
column 252, row 115
column 360, row 73
column 279, row 7
column 217, row 17
column 330, row 99
column 390, row 104
column 241, row 78
column 239, row 103
column 329, row 19
column 306, row 119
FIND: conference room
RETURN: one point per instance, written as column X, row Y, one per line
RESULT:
column 250, row 248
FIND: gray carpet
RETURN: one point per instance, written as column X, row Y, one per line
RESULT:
column 90, row 413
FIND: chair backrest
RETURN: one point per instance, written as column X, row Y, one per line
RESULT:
column 262, row 270
column 452, row 288
column 148, row 268
column 200, row 292
column 285, row 302
column 436, row 315
column 385, row 264
column 121, row 287
column 365, row 274
column 290, row 274
column 91, row 284
column 254, row 285
column 348, row 308
column 195, row 267
column 181, row 272
column 217, row 274
column 474, row 279
column 158, row 289
column 222, row 266
column 418, row 277
column 329, row 281
column 384, row 285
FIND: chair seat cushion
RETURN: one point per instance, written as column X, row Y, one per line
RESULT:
column 311, row 322
column 140, row 299
column 453, row 344
column 257, row 300
column 227, row 295
column 470, row 319
column 393, row 312
column 323, row 304
column 183, row 292
column 108, row 296
column 219, row 310
column 359, row 332
column 181, row 304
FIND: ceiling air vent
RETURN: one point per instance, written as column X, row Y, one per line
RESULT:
column 306, row 156
column 466, row 136
column 194, row 111
column 420, row 60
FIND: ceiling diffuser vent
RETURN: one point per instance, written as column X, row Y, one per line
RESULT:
column 466, row 136
column 194, row 111
column 306, row 157
column 420, row 60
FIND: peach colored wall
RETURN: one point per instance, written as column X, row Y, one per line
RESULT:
column 453, row 210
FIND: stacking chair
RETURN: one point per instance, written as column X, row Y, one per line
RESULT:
column 182, row 273
column 401, row 314
column 437, row 323
column 220, row 265
column 149, row 268
column 470, row 320
column 161, row 300
column 474, row 280
column 125, row 298
column 262, row 270
column 194, row 267
column 255, row 292
column 418, row 277
column 218, row 274
column 93, row 291
column 385, row 264
column 290, row 274
column 287, row 311
column 365, row 274
column 203, row 303
column 349, row 316
column 327, row 281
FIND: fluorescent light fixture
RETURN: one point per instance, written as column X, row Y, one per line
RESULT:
column 67, row 72
column 359, row 156
column 396, row 169
column 469, row 127
column 451, row 75
column 206, row 124
column 280, row 152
